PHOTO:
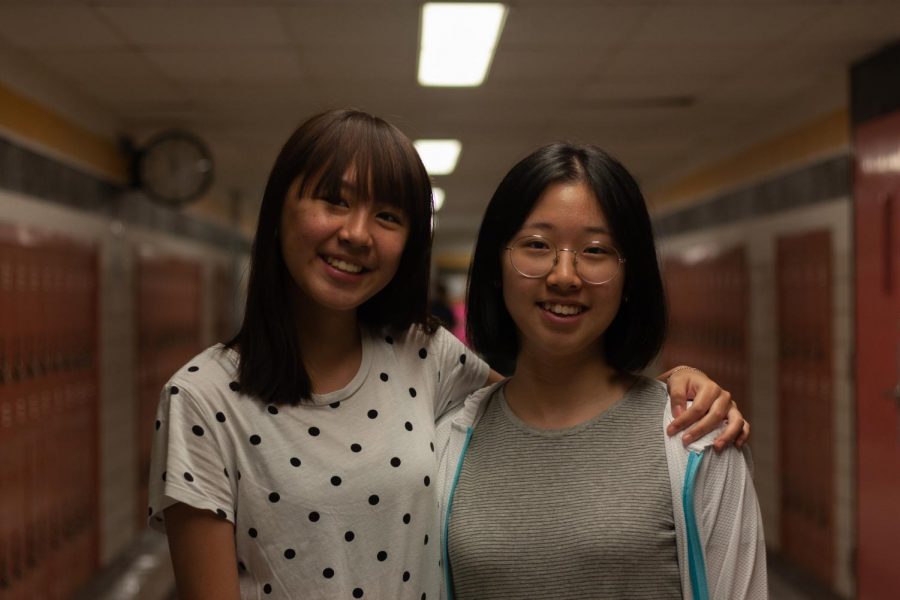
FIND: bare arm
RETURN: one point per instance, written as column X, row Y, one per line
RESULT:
column 711, row 405
column 203, row 554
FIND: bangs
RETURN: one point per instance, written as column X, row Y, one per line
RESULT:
column 371, row 160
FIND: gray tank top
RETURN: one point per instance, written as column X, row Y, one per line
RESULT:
column 584, row 512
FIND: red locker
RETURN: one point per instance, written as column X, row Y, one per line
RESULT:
column 805, row 382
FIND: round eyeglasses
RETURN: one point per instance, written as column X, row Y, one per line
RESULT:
column 534, row 256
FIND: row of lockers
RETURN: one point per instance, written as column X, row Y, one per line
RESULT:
column 168, row 330
column 48, row 415
column 710, row 306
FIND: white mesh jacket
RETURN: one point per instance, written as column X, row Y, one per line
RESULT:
column 718, row 527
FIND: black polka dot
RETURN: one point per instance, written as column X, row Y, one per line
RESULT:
column 462, row 359
column 395, row 462
column 426, row 539
column 267, row 588
column 193, row 369
column 389, row 340
column 313, row 516
column 372, row 414
column 274, row 497
column 357, row 593
column 355, row 447
column 158, row 423
column 221, row 513
column 289, row 553
column 198, row 431
column 427, row 481
column 164, row 476
column 188, row 477
column 384, row 376
column 382, row 556
column 328, row 573
column 241, row 566
column 239, row 474
column 423, row 352
column 295, row 461
column 149, row 511
column 173, row 390
column 252, row 532
column 412, row 392
column 423, row 596
column 407, row 518
column 235, row 386
column 405, row 575
column 335, row 480
column 273, row 410
column 226, row 473
column 349, row 536
column 255, row 439
column 431, row 445
column 220, row 417
column 334, row 404
column 408, row 426
column 314, row 431
column 373, row 499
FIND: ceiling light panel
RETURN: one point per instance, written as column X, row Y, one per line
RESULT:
column 439, row 156
column 457, row 42
column 438, row 195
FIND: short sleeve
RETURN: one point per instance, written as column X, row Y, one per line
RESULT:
column 188, row 464
column 461, row 371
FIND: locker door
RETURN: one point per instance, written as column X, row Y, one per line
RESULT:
column 805, row 400
column 877, row 208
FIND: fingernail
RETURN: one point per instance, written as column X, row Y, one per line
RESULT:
column 687, row 438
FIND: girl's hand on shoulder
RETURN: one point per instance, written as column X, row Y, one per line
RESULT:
column 711, row 405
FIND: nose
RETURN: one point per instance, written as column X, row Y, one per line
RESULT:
column 563, row 275
column 354, row 230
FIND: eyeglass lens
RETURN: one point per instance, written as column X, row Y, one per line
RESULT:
column 535, row 256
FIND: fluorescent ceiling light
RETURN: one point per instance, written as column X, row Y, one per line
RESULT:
column 439, row 156
column 438, row 195
column 457, row 42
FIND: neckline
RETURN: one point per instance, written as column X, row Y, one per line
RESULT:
column 500, row 396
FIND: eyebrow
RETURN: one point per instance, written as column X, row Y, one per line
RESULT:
column 549, row 227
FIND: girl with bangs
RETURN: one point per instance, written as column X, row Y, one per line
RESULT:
column 297, row 460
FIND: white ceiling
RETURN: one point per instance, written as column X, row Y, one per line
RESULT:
column 665, row 85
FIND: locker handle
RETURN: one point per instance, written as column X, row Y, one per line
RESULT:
column 887, row 210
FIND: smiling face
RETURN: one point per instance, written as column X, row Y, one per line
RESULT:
column 339, row 251
column 560, row 314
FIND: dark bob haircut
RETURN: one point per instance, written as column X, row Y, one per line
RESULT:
column 322, row 151
column 637, row 332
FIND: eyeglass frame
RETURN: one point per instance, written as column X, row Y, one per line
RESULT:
column 620, row 260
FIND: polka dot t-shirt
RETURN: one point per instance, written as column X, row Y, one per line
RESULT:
column 332, row 498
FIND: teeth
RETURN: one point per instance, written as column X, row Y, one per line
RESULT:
column 343, row 266
column 562, row 309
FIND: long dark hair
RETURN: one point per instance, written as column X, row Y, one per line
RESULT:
column 638, row 330
column 323, row 150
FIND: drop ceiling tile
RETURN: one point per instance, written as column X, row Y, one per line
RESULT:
column 367, row 24
column 377, row 65
column 43, row 27
column 725, row 23
column 183, row 26
column 228, row 66
column 543, row 25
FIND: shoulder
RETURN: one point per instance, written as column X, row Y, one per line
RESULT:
column 212, row 372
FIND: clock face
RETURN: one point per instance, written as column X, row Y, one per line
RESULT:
column 175, row 167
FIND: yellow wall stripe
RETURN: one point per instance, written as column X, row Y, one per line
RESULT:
column 34, row 123
column 818, row 137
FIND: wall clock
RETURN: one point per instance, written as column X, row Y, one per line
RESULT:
column 175, row 167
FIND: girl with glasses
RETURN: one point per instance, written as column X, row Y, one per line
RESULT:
column 559, row 482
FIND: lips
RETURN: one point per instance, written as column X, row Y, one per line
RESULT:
column 562, row 310
column 343, row 265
